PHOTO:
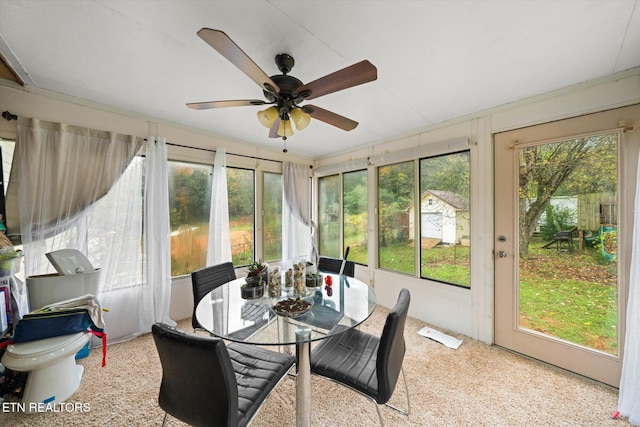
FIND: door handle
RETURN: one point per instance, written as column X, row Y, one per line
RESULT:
column 502, row 254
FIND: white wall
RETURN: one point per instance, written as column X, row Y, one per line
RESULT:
column 470, row 311
column 181, row 298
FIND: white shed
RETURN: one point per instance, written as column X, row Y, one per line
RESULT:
column 443, row 216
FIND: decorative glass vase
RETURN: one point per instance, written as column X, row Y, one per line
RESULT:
column 275, row 283
column 299, row 281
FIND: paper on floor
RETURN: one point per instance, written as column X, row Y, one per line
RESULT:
column 442, row 338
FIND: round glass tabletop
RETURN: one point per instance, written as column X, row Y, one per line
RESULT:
column 346, row 302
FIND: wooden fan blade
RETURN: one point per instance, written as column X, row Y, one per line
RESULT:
column 224, row 104
column 273, row 132
column 356, row 74
column 330, row 118
column 226, row 47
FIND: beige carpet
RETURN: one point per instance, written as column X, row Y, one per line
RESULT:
column 475, row 385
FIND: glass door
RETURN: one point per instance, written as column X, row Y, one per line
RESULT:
column 564, row 197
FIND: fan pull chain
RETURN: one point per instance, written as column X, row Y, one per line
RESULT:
column 284, row 139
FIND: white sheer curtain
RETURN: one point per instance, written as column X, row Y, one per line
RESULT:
column 297, row 226
column 59, row 180
column 156, row 291
column 219, row 247
column 629, row 397
column 114, row 245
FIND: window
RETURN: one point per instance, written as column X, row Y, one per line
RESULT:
column 114, row 229
column 189, row 205
column 355, row 216
column 272, row 217
column 329, row 215
column 444, row 218
column 426, row 236
column 241, row 193
column 395, row 205
column 441, row 223
column 109, row 232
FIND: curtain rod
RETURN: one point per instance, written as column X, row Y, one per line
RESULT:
column 8, row 116
column 231, row 154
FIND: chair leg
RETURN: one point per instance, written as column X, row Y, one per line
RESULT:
column 379, row 413
column 406, row 390
column 164, row 420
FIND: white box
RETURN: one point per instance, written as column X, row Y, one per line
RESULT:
column 75, row 277
column 3, row 314
column 46, row 289
column 5, row 287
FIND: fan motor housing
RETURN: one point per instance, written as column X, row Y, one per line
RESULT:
column 288, row 88
column 285, row 62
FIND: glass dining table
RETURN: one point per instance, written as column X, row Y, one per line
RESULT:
column 345, row 301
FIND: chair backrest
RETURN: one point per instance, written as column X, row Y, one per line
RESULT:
column 332, row 265
column 198, row 382
column 392, row 347
column 205, row 280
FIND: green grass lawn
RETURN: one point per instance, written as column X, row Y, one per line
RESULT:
column 398, row 257
column 571, row 296
column 357, row 252
column 447, row 263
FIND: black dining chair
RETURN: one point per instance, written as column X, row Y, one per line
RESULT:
column 205, row 383
column 333, row 265
column 205, row 280
column 367, row 364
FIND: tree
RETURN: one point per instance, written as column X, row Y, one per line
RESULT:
column 241, row 193
column 199, row 193
column 578, row 165
column 189, row 195
column 355, row 192
column 395, row 196
column 448, row 172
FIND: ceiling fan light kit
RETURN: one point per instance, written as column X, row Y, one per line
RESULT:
column 300, row 118
column 285, row 92
column 268, row 117
column 284, row 129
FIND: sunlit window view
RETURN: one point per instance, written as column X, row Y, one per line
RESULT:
column 272, row 218
column 329, row 215
column 396, row 245
column 444, row 218
column 241, row 193
column 355, row 214
column 568, row 236
column 189, row 204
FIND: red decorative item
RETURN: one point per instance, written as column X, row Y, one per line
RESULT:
column 328, row 280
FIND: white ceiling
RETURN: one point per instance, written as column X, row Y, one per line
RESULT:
column 436, row 60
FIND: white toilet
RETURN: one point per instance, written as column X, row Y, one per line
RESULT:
column 53, row 373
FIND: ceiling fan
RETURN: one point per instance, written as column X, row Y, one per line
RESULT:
column 284, row 92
